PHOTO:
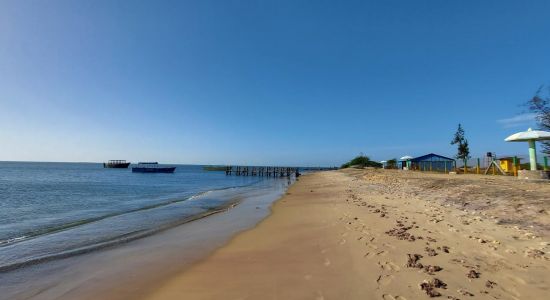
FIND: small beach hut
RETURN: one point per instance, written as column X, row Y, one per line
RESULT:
column 507, row 163
column 404, row 162
column 432, row 162
column 384, row 164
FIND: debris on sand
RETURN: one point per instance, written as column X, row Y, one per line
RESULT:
column 430, row 251
column 443, row 248
column 432, row 269
column 413, row 261
column 534, row 253
column 438, row 283
column 465, row 293
column 430, row 286
column 473, row 274
column 401, row 233
column 490, row 284
column 430, row 291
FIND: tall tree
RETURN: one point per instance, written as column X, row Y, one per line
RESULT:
column 463, row 151
column 540, row 106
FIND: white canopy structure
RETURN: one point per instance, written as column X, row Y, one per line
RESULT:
column 406, row 157
column 530, row 136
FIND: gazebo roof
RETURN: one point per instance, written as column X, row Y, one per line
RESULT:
column 529, row 135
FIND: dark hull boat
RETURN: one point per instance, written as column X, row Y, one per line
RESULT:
column 154, row 170
column 152, row 167
column 116, row 164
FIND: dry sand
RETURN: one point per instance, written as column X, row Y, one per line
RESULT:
column 379, row 234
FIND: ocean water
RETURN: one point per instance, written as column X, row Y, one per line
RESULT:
column 54, row 210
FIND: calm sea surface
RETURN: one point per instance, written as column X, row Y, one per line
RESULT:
column 50, row 210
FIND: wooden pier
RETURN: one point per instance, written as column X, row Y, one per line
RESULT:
column 262, row 171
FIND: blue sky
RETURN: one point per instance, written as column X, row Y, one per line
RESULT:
column 266, row 82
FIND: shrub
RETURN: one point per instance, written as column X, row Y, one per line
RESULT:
column 361, row 161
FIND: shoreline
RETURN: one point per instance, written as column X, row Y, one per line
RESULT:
column 362, row 234
column 35, row 248
column 117, row 242
column 116, row 272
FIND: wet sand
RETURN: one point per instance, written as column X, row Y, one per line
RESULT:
column 132, row 270
column 381, row 234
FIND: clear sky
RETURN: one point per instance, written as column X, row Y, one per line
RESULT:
column 266, row 82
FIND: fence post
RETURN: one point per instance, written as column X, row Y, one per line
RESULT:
column 546, row 163
column 515, row 166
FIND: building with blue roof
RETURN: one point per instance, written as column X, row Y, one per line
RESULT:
column 432, row 162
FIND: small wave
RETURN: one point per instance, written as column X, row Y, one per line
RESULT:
column 61, row 227
column 12, row 240
column 115, row 241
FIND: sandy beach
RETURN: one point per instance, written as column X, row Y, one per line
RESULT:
column 274, row 150
column 383, row 234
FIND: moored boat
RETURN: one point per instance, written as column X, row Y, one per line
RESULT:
column 116, row 164
column 152, row 167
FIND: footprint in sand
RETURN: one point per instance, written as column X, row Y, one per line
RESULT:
column 384, row 279
column 369, row 255
column 342, row 241
column 327, row 262
column 513, row 294
column 516, row 279
column 389, row 266
column 372, row 246
column 388, row 245
column 390, row 297
column 319, row 296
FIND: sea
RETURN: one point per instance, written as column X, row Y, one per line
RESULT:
column 56, row 210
